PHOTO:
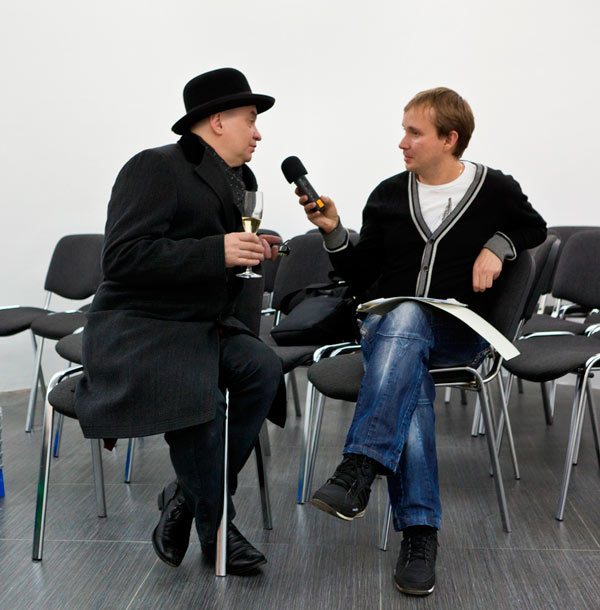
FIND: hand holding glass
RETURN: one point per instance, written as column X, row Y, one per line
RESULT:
column 252, row 209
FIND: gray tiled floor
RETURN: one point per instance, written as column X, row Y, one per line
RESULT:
column 315, row 561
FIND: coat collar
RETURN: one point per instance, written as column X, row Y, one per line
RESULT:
column 194, row 150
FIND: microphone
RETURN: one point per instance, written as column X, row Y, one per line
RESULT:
column 295, row 172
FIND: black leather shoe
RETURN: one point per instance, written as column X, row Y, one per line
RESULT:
column 171, row 537
column 242, row 557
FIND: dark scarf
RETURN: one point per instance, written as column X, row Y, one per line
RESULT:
column 234, row 177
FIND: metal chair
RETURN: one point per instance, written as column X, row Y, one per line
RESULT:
column 60, row 398
column 74, row 273
column 308, row 263
column 546, row 357
column 340, row 377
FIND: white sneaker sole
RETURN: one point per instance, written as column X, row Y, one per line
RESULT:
column 331, row 511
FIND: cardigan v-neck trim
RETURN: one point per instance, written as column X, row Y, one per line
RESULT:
column 432, row 239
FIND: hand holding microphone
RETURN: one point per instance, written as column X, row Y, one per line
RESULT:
column 321, row 211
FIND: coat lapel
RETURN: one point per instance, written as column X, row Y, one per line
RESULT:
column 206, row 168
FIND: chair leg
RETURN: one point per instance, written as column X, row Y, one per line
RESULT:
column 463, row 397
column 58, row 434
column 520, row 385
column 476, row 418
column 40, row 371
column 221, row 556
column 385, row 529
column 547, row 403
column 43, row 479
column 304, row 453
column 505, row 418
column 265, row 501
column 264, row 439
column 2, row 491
column 593, row 417
column 294, row 384
column 314, row 444
column 447, row 395
column 129, row 459
column 576, row 417
column 489, row 426
column 34, row 386
column 98, row 476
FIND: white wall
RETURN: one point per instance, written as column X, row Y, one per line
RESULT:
column 87, row 85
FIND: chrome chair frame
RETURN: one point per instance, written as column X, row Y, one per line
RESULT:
column 44, row 472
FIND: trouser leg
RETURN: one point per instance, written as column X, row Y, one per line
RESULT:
column 252, row 373
column 396, row 352
column 394, row 421
column 414, row 487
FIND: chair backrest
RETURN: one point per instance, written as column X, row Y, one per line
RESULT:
column 546, row 259
column 564, row 233
column 510, row 292
column 577, row 278
column 307, row 263
column 248, row 305
column 75, row 270
column 269, row 268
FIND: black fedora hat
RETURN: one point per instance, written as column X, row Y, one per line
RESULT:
column 218, row 90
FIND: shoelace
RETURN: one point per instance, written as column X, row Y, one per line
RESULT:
column 345, row 476
column 419, row 547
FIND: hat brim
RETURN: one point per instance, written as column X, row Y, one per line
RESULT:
column 262, row 103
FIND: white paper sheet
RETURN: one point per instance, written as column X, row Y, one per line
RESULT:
column 459, row 310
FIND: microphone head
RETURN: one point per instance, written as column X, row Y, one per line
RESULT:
column 292, row 169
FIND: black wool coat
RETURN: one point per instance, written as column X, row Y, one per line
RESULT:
column 151, row 342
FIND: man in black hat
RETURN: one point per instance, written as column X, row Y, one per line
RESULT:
column 163, row 341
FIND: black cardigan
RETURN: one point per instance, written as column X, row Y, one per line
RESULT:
column 397, row 255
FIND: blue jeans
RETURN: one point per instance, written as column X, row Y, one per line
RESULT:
column 394, row 421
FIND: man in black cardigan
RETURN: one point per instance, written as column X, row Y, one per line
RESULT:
column 444, row 229
column 162, row 343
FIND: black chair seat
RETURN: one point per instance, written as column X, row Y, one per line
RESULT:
column 340, row 377
column 17, row 319
column 62, row 397
column 69, row 348
column 58, row 325
column 545, row 323
column 593, row 318
column 461, row 376
column 546, row 358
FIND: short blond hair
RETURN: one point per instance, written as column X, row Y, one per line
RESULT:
column 451, row 113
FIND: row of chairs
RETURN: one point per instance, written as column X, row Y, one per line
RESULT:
column 308, row 263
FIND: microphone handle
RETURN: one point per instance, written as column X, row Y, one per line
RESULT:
column 307, row 189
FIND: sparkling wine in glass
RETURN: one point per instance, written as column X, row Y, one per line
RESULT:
column 252, row 210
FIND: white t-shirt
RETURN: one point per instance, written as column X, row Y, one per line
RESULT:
column 438, row 200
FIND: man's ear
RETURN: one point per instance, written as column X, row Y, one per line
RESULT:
column 451, row 139
column 216, row 124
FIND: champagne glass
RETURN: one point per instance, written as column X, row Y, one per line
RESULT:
column 252, row 210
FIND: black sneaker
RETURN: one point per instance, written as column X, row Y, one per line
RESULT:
column 415, row 570
column 346, row 493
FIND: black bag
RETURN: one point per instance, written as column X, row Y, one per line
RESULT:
column 319, row 314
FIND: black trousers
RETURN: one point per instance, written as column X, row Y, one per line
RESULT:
column 251, row 372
